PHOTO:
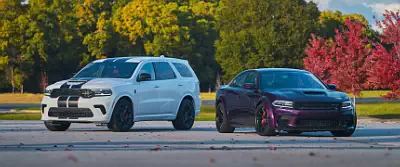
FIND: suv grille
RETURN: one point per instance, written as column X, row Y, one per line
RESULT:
column 85, row 93
column 317, row 106
column 70, row 112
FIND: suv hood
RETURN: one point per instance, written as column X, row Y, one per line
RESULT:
column 308, row 95
column 89, row 83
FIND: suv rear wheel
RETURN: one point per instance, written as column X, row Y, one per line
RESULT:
column 57, row 126
column 185, row 117
column 122, row 117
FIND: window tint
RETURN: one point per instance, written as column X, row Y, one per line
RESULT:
column 239, row 81
column 163, row 71
column 251, row 78
column 183, row 70
column 288, row 80
column 108, row 69
column 149, row 69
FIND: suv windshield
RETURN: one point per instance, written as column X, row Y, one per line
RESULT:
column 107, row 69
column 290, row 80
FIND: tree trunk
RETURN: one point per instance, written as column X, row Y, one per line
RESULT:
column 12, row 80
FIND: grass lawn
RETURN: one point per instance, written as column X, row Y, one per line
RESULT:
column 371, row 93
column 382, row 111
column 27, row 98
column 21, row 116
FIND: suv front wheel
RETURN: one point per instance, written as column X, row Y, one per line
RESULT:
column 185, row 117
column 122, row 117
column 57, row 126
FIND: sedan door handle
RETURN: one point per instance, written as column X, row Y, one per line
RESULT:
column 156, row 86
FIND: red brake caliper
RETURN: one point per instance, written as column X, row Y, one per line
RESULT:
column 264, row 116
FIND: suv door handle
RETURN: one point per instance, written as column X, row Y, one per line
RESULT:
column 180, row 85
column 156, row 86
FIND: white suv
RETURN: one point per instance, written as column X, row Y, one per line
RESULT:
column 121, row 91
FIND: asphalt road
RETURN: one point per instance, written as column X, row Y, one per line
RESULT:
column 28, row 143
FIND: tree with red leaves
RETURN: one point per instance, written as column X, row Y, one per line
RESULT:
column 384, row 64
column 341, row 61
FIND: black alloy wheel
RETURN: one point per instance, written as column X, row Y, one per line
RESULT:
column 122, row 117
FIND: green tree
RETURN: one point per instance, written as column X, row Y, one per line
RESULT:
column 175, row 29
column 331, row 20
column 259, row 33
column 13, row 23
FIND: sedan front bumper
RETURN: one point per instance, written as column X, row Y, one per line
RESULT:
column 314, row 120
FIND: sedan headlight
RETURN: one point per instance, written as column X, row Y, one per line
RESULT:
column 347, row 105
column 282, row 104
column 102, row 92
column 47, row 92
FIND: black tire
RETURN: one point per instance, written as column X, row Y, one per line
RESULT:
column 262, row 123
column 221, row 120
column 122, row 117
column 57, row 126
column 346, row 133
column 294, row 132
column 185, row 117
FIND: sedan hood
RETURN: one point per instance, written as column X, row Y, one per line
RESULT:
column 89, row 83
column 307, row 95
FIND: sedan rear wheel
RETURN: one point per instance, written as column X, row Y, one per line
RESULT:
column 221, row 120
column 262, row 122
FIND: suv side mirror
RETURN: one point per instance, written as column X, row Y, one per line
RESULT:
column 144, row 77
column 249, row 86
column 331, row 86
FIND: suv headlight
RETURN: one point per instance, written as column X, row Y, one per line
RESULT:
column 102, row 92
column 47, row 92
column 282, row 104
column 347, row 105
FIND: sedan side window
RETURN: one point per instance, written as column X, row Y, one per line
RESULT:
column 251, row 78
column 149, row 69
column 239, row 80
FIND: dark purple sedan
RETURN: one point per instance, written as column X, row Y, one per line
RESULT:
column 279, row 99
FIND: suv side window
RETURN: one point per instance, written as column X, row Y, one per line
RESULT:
column 239, row 80
column 149, row 69
column 251, row 78
column 163, row 71
column 183, row 69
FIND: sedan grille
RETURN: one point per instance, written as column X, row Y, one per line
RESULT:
column 317, row 106
column 318, row 123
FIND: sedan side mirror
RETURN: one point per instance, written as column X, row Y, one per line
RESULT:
column 331, row 86
column 249, row 86
column 144, row 77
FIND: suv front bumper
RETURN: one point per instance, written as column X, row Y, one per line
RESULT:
column 93, row 110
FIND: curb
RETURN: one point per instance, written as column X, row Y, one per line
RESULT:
column 19, row 111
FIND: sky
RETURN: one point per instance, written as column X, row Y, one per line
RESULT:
column 368, row 8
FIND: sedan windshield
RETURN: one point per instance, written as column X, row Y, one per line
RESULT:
column 107, row 69
column 290, row 80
